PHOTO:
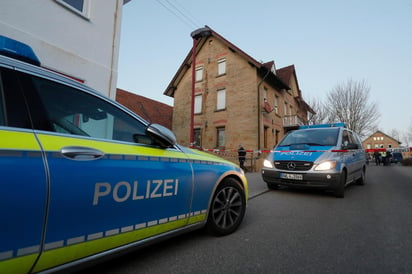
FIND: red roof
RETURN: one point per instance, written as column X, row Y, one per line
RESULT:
column 150, row 110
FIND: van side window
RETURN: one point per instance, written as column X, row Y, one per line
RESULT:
column 345, row 138
column 71, row 111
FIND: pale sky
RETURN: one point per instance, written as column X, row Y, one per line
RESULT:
column 329, row 42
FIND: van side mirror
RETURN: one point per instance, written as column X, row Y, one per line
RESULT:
column 350, row 146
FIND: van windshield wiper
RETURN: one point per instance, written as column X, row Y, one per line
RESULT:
column 309, row 144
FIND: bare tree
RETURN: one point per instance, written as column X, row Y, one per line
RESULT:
column 349, row 103
column 395, row 134
column 320, row 116
column 408, row 135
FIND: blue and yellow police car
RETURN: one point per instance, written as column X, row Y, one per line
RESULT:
column 83, row 177
column 326, row 156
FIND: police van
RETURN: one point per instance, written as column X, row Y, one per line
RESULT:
column 326, row 156
column 83, row 177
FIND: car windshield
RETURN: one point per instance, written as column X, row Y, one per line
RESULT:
column 312, row 137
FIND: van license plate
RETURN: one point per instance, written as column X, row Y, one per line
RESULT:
column 291, row 176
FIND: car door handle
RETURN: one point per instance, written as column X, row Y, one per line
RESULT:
column 81, row 153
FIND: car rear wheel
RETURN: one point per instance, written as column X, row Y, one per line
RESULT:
column 227, row 208
column 340, row 189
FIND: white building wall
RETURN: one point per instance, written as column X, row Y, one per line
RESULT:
column 84, row 47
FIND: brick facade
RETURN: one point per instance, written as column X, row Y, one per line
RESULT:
column 380, row 140
column 257, row 99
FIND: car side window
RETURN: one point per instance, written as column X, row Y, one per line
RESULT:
column 13, row 111
column 71, row 111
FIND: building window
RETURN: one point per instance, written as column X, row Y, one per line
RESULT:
column 221, row 99
column 265, row 137
column 221, row 67
column 368, row 146
column 198, row 104
column 265, row 94
column 285, row 109
column 197, row 137
column 220, row 137
column 78, row 6
column 276, row 104
column 199, row 74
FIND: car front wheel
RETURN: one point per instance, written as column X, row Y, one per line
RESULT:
column 227, row 208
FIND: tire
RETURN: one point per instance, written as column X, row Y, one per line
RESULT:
column 340, row 189
column 362, row 180
column 227, row 208
column 272, row 186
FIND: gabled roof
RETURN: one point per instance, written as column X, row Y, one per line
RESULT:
column 386, row 135
column 263, row 69
column 285, row 74
column 150, row 110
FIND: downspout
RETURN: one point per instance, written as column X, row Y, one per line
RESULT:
column 259, row 107
column 115, row 50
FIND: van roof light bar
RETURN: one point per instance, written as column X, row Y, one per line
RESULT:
column 324, row 125
column 18, row 50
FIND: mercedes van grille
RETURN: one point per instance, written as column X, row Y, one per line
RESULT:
column 293, row 165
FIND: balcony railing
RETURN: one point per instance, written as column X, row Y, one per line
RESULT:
column 292, row 121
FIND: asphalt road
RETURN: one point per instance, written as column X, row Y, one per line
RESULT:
column 295, row 231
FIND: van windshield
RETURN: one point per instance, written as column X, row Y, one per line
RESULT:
column 312, row 137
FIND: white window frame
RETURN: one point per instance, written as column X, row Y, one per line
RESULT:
column 221, row 67
column 265, row 94
column 276, row 103
column 198, row 104
column 85, row 12
column 221, row 99
column 199, row 74
column 220, row 133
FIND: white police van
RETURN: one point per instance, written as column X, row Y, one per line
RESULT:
column 83, row 177
column 326, row 156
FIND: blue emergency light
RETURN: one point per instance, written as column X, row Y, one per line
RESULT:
column 18, row 50
column 324, row 125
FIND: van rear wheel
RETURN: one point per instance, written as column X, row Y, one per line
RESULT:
column 361, row 180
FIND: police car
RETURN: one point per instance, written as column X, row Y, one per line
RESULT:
column 326, row 156
column 83, row 177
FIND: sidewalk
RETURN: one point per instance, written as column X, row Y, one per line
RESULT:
column 256, row 184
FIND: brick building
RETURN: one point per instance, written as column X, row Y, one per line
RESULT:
column 380, row 140
column 238, row 100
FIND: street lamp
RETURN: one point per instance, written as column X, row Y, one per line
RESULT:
column 196, row 35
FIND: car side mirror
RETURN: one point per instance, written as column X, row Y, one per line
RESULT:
column 162, row 136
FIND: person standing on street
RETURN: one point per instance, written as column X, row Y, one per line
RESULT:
column 242, row 157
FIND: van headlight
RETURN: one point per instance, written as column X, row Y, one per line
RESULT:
column 326, row 165
column 267, row 163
